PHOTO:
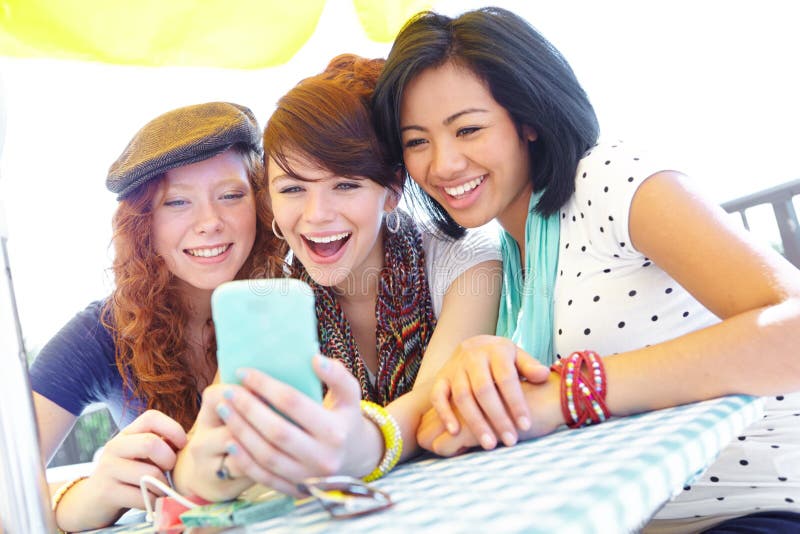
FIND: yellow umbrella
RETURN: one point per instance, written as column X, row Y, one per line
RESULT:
column 243, row 34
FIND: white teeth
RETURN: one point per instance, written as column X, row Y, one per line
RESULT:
column 207, row 252
column 464, row 188
column 327, row 239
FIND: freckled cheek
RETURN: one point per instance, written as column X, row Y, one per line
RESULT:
column 161, row 237
column 167, row 247
column 251, row 227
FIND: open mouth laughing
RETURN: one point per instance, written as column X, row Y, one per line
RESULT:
column 326, row 246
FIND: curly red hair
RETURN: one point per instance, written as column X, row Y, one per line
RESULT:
column 148, row 314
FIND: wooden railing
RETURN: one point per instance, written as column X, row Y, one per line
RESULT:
column 781, row 199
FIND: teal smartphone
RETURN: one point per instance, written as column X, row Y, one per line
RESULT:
column 269, row 325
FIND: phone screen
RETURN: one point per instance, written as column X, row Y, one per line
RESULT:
column 269, row 325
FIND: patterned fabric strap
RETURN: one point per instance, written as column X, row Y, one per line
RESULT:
column 403, row 311
column 392, row 438
column 583, row 388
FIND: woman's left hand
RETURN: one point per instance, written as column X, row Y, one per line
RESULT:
column 195, row 473
column 319, row 440
column 543, row 400
column 482, row 383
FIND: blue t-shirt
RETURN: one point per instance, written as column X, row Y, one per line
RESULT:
column 77, row 367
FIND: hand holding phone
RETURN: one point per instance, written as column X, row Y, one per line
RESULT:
column 269, row 325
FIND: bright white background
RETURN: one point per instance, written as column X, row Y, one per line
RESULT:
column 712, row 83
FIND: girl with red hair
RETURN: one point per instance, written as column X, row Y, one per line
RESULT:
column 186, row 222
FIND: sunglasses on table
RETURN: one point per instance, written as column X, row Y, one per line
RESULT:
column 344, row 496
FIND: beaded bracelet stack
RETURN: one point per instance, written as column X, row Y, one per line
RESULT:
column 392, row 438
column 583, row 388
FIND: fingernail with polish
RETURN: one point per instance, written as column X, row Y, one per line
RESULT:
column 228, row 394
column 231, row 449
column 241, row 374
column 324, row 363
column 223, row 412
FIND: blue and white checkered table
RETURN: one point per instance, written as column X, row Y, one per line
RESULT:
column 606, row 478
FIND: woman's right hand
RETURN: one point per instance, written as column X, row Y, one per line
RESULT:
column 145, row 447
column 332, row 438
column 482, row 383
column 240, row 423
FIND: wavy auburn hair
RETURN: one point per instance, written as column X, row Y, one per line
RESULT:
column 327, row 119
column 148, row 314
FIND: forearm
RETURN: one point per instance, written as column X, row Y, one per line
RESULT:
column 751, row 353
column 81, row 508
column 408, row 410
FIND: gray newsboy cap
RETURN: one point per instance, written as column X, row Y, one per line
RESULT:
column 180, row 137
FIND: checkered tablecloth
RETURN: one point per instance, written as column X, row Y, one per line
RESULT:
column 605, row 478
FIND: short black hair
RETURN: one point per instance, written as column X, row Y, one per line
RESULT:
column 526, row 75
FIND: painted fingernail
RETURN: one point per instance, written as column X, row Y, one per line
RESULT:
column 487, row 442
column 452, row 428
column 241, row 374
column 231, row 449
column 508, row 438
column 223, row 412
column 523, row 423
column 228, row 394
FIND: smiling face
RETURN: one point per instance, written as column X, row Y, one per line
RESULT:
column 204, row 220
column 332, row 223
column 463, row 148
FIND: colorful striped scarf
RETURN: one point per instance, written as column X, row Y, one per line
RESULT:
column 403, row 310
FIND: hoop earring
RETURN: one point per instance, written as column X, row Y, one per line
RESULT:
column 276, row 231
column 393, row 223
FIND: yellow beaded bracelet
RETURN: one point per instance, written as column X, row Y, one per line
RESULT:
column 61, row 491
column 392, row 438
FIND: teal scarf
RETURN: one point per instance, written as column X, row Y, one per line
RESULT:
column 526, row 304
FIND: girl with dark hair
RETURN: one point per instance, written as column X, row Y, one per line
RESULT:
column 390, row 294
column 186, row 222
column 603, row 248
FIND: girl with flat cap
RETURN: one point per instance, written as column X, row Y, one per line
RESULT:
column 186, row 222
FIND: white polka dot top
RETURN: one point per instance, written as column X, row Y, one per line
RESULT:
column 609, row 297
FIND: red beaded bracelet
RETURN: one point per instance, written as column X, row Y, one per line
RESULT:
column 583, row 388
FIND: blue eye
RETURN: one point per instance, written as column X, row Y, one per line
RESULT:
column 175, row 203
column 233, row 195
